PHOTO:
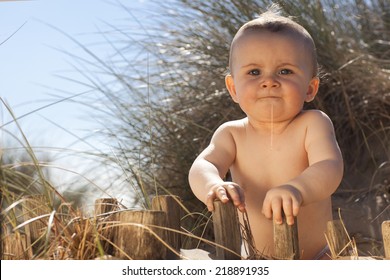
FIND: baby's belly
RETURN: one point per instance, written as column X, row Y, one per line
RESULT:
column 312, row 221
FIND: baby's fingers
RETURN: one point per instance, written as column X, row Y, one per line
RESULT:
column 288, row 211
column 272, row 208
column 237, row 196
column 277, row 211
column 216, row 193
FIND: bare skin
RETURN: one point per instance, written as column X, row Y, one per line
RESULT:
column 281, row 158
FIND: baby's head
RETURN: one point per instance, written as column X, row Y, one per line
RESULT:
column 273, row 22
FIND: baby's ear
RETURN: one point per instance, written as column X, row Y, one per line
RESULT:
column 230, row 87
column 313, row 89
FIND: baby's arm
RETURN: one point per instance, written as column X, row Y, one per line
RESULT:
column 318, row 181
column 210, row 167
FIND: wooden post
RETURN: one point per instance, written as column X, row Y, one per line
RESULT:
column 286, row 245
column 104, row 208
column 338, row 239
column 16, row 247
column 226, row 231
column 386, row 238
column 170, row 205
column 138, row 238
column 33, row 207
column 106, row 205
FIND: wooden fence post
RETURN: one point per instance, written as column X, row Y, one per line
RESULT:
column 226, row 231
column 16, row 247
column 338, row 239
column 386, row 238
column 103, row 207
column 286, row 245
column 139, row 236
column 33, row 207
column 170, row 205
column 106, row 205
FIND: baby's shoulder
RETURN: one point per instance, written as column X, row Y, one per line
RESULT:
column 226, row 134
column 317, row 123
column 233, row 126
column 230, row 129
column 314, row 117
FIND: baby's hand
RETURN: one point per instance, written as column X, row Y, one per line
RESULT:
column 224, row 192
column 285, row 198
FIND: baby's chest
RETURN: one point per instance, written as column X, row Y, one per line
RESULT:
column 272, row 147
column 271, row 157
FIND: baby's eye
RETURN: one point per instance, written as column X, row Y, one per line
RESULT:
column 285, row 72
column 254, row 72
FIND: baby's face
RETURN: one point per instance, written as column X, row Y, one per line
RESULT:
column 271, row 75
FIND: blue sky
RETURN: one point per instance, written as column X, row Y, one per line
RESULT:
column 32, row 60
column 31, row 63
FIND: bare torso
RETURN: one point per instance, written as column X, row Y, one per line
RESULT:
column 269, row 159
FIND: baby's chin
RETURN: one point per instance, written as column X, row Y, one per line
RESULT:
column 273, row 115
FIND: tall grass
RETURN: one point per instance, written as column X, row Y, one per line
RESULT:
column 38, row 221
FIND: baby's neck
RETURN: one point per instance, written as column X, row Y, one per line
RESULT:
column 275, row 127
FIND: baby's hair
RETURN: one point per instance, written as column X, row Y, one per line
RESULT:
column 273, row 21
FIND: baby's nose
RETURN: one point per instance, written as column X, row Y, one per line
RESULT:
column 269, row 82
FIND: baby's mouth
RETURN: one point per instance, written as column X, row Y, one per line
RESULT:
column 270, row 95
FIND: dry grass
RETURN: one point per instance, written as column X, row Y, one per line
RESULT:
column 250, row 247
column 64, row 234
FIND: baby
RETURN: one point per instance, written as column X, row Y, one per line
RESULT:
column 282, row 159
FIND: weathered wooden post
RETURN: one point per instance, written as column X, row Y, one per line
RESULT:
column 104, row 212
column 386, row 238
column 226, row 231
column 16, row 247
column 286, row 245
column 141, row 235
column 33, row 207
column 338, row 239
column 171, row 206
column 106, row 205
